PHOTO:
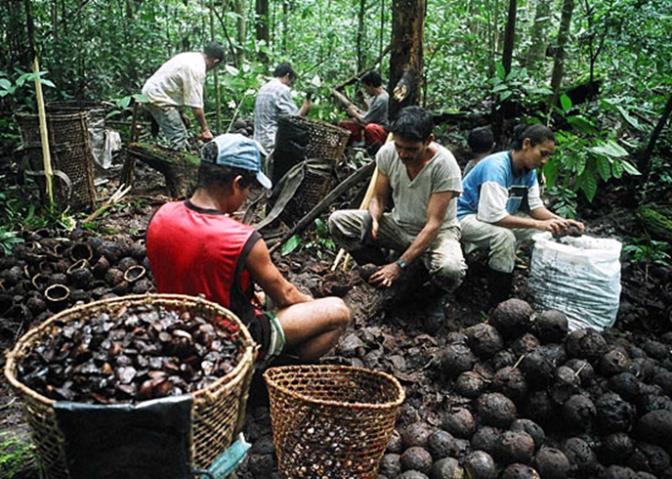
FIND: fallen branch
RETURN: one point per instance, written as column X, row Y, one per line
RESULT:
column 111, row 201
column 359, row 75
column 344, row 186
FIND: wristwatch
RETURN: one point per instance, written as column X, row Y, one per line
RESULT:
column 401, row 263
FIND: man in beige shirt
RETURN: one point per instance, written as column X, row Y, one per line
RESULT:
column 424, row 181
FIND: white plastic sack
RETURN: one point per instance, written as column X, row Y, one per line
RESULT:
column 578, row 276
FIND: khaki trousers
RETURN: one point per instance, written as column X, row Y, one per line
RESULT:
column 499, row 242
column 443, row 258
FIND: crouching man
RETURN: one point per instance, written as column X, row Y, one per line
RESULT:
column 502, row 207
column 197, row 247
column 423, row 180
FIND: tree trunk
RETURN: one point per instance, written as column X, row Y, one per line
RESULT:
column 285, row 25
column 261, row 28
column 30, row 30
column 382, row 27
column 241, row 31
column 406, row 61
column 499, row 109
column 563, row 37
column 360, row 37
column 644, row 160
column 509, row 36
column 537, row 49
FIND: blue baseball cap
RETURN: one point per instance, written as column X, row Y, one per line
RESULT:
column 236, row 151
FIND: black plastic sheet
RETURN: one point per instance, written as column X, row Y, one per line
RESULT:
column 149, row 440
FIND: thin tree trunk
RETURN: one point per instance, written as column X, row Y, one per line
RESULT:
column 644, row 160
column 558, row 64
column 406, row 59
column 218, row 106
column 241, row 31
column 30, row 30
column 537, row 49
column 285, row 25
column 382, row 27
column 360, row 37
column 261, row 28
column 509, row 36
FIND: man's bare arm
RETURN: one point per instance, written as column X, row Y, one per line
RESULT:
column 265, row 274
column 199, row 114
column 381, row 192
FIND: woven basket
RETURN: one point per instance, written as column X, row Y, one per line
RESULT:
column 217, row 410
column 331, row 421
column 70, row 150
column 299, row 139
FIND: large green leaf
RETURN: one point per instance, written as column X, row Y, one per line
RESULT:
column 290, row 245
column 629, row 118
column 589, row 186
column 551, row 171
column 611, row 149
column 630, row 168
column 617, row 169
column 603, row 168
column 5, row 84
column 565, row 102
column 581, row 123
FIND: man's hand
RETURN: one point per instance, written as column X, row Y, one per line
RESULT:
column 385, row 276
column 578, row 225
column 352, row 110
column 206, row 135
column 554, row 225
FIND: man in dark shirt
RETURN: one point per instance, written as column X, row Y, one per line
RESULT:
column 368, row 126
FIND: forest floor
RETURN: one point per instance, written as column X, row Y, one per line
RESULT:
column 399, row 341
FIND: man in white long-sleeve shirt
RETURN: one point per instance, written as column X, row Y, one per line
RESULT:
column 179, row 83
column 501, row 205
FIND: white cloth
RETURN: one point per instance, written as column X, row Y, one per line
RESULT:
column 179, row 82
column 273, row 100
column 411, row 197
column 494, row 197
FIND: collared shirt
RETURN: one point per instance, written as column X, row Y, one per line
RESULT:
column 273, row 100
column 492, row 190
column 179, row 82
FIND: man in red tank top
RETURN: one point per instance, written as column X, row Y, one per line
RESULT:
column 197, row 247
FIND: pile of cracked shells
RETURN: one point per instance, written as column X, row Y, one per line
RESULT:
column 531, row 400
column 48, row 273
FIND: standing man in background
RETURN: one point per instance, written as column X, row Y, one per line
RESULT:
column 274, row 100
column 179, row 83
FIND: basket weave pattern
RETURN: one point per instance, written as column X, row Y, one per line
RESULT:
column 331, row 421
column 217, row 410
column 325, row 141
column 70, row 148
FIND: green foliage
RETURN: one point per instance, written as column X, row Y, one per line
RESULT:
column 8, row 240
column 517, row 86
column 16, row 457
column 648, row 251
column 290, row 245
column 583, row 157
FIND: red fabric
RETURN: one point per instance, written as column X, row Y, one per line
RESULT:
column 195, row 252
column 373, row 133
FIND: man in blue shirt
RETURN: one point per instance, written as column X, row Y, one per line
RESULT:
column 501, row 205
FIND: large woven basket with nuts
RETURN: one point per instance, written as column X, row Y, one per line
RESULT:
column 331, row 421
column 218, row 408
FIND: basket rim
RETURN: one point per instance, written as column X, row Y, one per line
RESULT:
column 52, row 116
column 270, row 382
column 13, row 355
column 320, row 123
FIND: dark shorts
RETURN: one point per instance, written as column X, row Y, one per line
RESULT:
column 269, row 335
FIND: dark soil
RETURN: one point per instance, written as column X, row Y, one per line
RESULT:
column 398, row 341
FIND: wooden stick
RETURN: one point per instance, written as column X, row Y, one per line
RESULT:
column 112, row 200
column 345, row 185
column 44, row 134
column 364, row 205
column 356, row 78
